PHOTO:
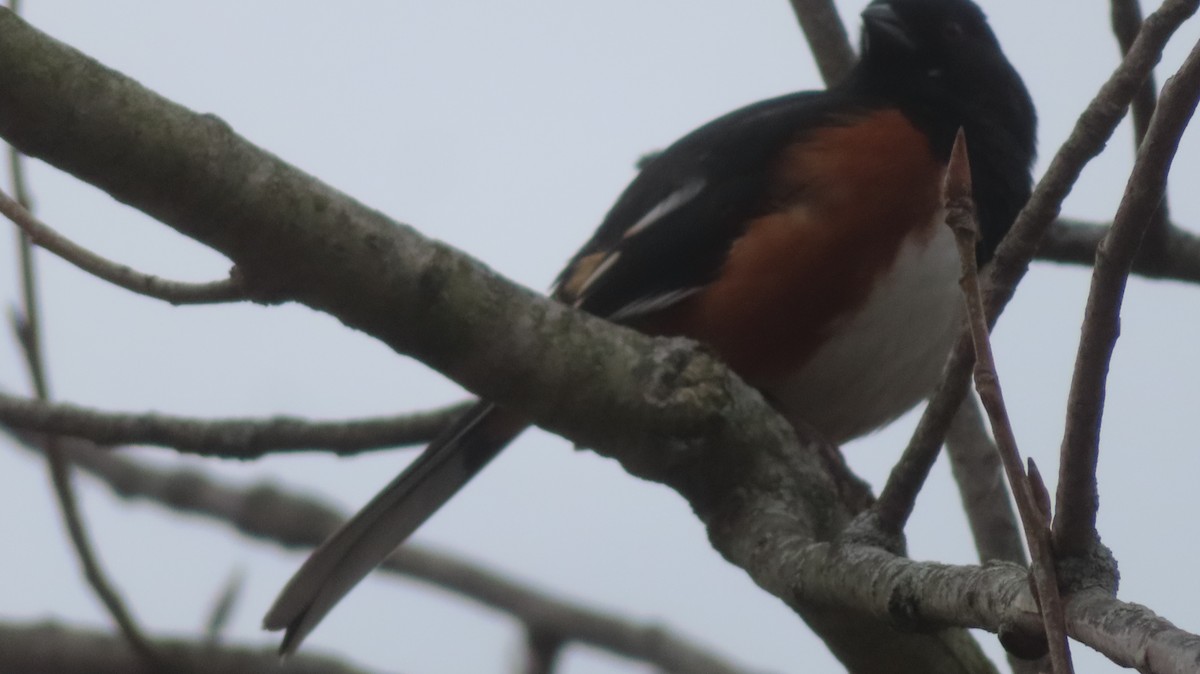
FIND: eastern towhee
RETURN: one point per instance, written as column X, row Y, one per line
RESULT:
column 802, row 238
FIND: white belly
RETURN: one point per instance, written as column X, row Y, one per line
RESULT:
column 888, row 356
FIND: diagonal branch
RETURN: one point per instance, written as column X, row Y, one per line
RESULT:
column 227, row 438
column 1126, row 16
column 977, row 470
column 1078, row 500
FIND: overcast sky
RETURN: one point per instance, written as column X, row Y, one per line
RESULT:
column 507, row 129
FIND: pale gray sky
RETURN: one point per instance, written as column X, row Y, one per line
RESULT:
column 506, row 129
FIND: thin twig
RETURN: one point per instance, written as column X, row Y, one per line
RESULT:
column 1126, row 16
column 175, row 292
column 227, row 438
column 25, row 326
column 960, row 218
column 827, row 38
column 222, row 610
column 1092, row 130
column 1078, row 500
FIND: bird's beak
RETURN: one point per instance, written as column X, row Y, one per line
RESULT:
column 882, row 23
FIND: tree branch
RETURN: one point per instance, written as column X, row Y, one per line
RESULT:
column 119, row 275
column 975, row 462
column 1126, row 16
column 227, row 438
column 1078, row 500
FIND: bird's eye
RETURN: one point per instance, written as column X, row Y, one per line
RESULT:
column 953, row 31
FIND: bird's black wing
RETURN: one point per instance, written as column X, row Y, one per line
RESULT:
column 669, row 232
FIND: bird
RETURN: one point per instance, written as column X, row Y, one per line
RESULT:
column 801, row 238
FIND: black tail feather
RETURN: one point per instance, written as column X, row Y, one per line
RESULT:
column 370, row 536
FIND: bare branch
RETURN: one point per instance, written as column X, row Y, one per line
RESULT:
column 227, row 438
column 975, row 462
column 174, row 292
column 51, row 647
column 1092, row 130
column 541, row 652
column 1126, row 18
column 1075, row 242
column 1075, row 522
column 961, row 219
column 266, row 512
column 827, row 38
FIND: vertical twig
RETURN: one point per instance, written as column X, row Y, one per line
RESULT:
column 27, row 325
column 1078, row 500
column 827, row 38
column 542, row 649
column 1126, row 18
column 960, row 208
column 28, row 328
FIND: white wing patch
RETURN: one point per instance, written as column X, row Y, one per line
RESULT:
column 591, row 268
column 673, row 201
column 652, row 303
column 597, row 273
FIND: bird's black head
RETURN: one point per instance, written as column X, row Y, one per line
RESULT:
column 941, row 58
column 931, row 39
column 939, row 61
